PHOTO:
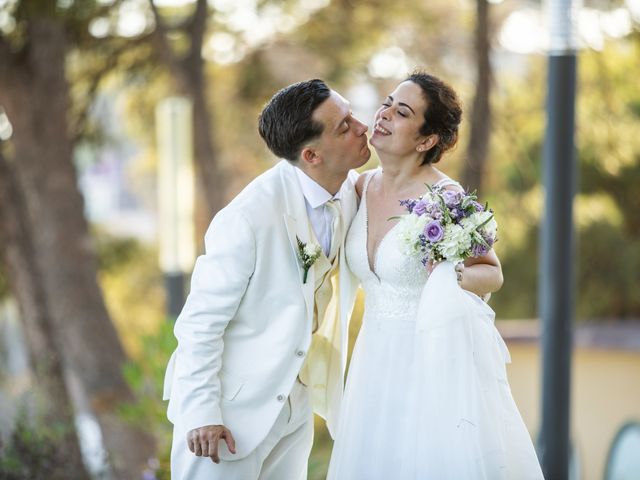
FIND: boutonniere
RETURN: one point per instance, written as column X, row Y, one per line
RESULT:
column 308, row 254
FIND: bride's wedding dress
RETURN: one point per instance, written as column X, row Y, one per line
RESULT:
column 427, row 396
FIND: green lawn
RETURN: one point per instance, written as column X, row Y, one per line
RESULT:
column 321, row 451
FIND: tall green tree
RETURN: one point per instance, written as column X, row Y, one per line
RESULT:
column 187, row 68
column 478, row 146
column 35, row 93
column 606, row 205
column 54, row 405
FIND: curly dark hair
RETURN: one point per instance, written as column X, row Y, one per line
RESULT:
column 286, row 122
column 442, row 115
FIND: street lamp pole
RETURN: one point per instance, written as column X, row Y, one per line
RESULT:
column 557, row 276
column 174, row 131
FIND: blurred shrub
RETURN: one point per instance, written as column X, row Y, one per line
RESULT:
column 145, row 375
column 607, row 260
column 31, row 453
column 607, row 276
column 4, row 285
column 133, row 288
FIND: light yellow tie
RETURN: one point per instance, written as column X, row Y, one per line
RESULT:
column 336, row 227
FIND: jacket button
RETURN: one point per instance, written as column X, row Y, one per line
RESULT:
column 300, row 353
column 280, row 398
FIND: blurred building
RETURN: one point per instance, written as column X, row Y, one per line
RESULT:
column 118, row 189
column 605, row 393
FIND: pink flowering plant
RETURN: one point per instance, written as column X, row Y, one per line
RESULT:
column 446, row 225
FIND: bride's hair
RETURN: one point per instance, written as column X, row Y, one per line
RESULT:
column 442, row 115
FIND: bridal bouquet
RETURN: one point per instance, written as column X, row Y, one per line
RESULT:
column 446, row 225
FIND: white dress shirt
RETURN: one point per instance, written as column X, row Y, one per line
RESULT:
column 320, row 215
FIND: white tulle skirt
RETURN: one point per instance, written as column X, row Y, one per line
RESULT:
column 427, row 398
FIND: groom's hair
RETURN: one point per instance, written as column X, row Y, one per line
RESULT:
column 286, row 122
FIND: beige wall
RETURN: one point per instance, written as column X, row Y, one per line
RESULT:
column 605, row 395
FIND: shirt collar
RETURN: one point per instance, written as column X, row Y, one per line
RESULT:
column 313, row 192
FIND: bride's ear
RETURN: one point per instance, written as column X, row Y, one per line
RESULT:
column 428, row 143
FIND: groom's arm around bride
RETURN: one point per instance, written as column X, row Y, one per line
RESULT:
column 246, row 327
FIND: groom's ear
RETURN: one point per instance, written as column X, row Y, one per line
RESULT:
column 309, row 156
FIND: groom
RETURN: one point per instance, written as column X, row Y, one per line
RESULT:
column 246, row 372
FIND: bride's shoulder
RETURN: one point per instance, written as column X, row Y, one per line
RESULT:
column 363, row 179
column 447, row 183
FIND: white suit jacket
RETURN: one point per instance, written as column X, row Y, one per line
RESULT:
column 245, row 330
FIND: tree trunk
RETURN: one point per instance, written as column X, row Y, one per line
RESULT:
column 54, row 407
column 188, row 73
column 35, row 92
column 211, row 184
column 478, row 148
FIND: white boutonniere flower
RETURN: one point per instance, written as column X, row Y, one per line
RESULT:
column 308, row 253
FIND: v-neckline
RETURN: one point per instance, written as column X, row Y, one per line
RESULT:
column 374, row 257
column 376, row 251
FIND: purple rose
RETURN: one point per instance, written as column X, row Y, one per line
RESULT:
column 478, row 250
column 487, row 238
column 434, row 231
column 477, row 206
column 408, row 204
column 434, row 211
column 420, row 208
column 451, row 197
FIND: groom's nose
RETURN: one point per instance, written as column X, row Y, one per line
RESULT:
column 360, row 127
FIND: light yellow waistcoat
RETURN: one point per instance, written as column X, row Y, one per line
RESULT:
column 321, row 371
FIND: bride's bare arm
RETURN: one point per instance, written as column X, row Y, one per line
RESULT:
column 482, row 275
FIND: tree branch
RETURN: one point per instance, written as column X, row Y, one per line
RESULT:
column 5, row 59
column 197, row 29
column 96, row 78
column 161, row 44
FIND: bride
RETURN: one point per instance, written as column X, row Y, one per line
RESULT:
column 427, row 396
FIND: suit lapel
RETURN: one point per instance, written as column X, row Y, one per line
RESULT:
column 349, row 206
column 297, row 224
column 348, row 283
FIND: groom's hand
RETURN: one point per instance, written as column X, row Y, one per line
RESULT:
column 203, row 441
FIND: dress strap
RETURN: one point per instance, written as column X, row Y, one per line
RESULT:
column 368, row 176
column 446, row 182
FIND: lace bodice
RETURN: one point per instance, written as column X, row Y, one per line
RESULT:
column 393, row 287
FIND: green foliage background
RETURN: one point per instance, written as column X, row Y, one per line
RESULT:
column 337, row 42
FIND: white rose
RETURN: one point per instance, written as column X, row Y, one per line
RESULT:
column 491, row 227
column 455, row 242
column 476, row 219
column 410, row 228
column 468, row 223
column 312, row 250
